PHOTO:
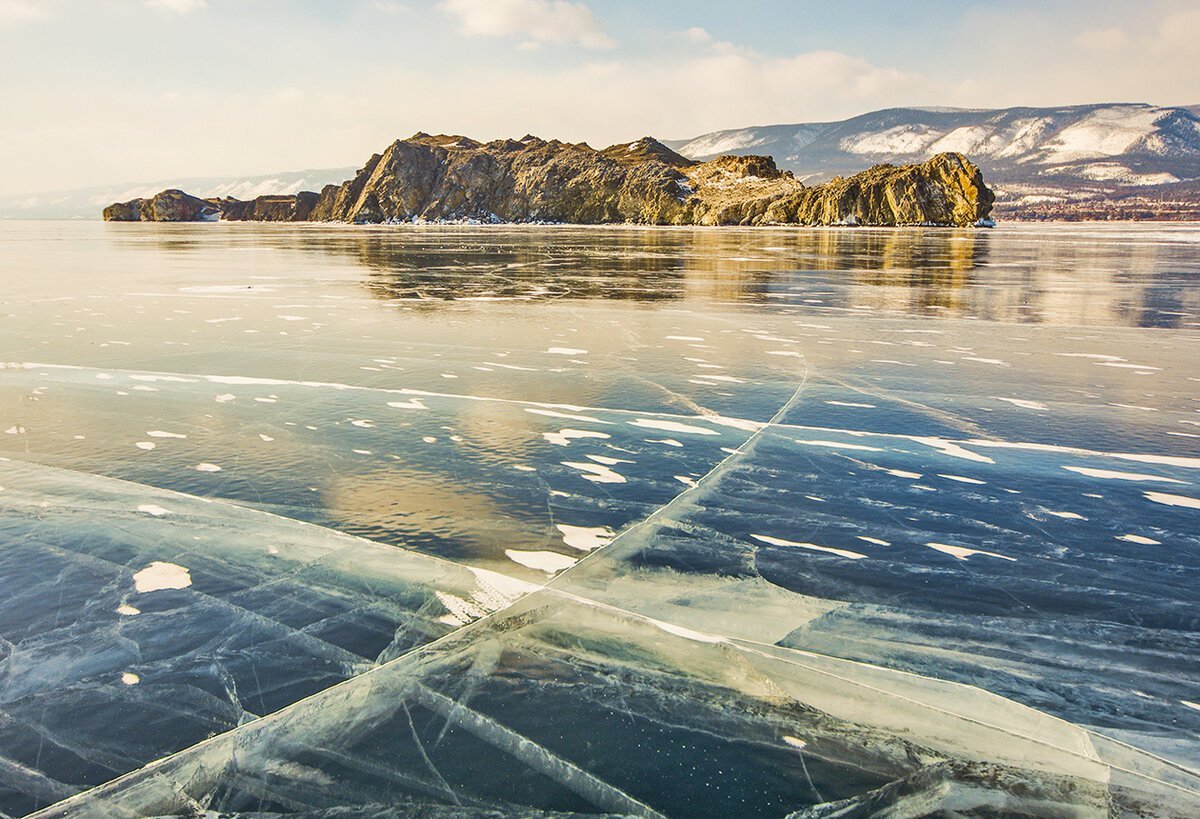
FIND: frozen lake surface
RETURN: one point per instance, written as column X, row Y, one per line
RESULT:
column 342, row 521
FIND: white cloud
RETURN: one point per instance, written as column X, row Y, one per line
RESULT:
column 56, row 134
column 178, row 6
column 1102, row 39
column 1181, row 30
column 19, row 11
column 536, row 21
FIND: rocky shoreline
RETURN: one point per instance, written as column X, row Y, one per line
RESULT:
column 455, row 179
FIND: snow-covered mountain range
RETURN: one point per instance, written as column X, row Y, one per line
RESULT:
column 1060, row 161
column 86, row 203
column 1027, row 154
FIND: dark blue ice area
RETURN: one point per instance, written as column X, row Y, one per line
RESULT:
column 544, row 521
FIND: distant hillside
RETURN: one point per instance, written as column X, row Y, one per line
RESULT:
column 1083, row 161
column 85, row 203
column 1032, row 156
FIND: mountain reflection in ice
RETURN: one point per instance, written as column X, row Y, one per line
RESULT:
column 483, row 521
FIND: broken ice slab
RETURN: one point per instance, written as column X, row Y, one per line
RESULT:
column 559, row 704
column 139, row 621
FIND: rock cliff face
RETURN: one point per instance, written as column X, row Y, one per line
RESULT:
column 285, row 208
column 453, row 178
column 945, row 190
column 168, row 206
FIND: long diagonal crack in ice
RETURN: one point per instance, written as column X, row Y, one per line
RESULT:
column 554, row 584
column 775, row 422
column 699, row 485
column 949, row 418
column 595, row 790
column 793, row 657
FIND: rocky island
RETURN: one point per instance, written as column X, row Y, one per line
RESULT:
column 444, row 178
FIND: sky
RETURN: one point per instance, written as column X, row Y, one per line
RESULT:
column 106, row 91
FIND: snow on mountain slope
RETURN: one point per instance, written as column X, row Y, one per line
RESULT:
column 795, row 137
column 1024, row 151
column 1106, row 132
column 902, row 139
column 86, row 203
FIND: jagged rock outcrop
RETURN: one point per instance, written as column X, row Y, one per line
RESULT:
column 454, row 178
column 438, row 178
column 283, row 208
column 168, row 206
column 944, row 190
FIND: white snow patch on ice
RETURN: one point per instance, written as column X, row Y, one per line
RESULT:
column 1113, row 475
column 962, row 479
column 850, row 404
column 962, row 552
column 414, row 404
column 564, row 436
column 548, row 562
column 161, row 575
column 585, row 538
column 841, row 445
column 952, row 449
column 1023, row 403
column 776, row 541
column 1168, row 499
column 672, row 426
column 687, row 633
column 568, row 416
column 1065, row 515
column 596, row 473
column 1140, row 540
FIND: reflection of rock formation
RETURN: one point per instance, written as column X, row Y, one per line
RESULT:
column 1018, row 276
column 429, row 510
column 916, row 272
column 656, row 265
